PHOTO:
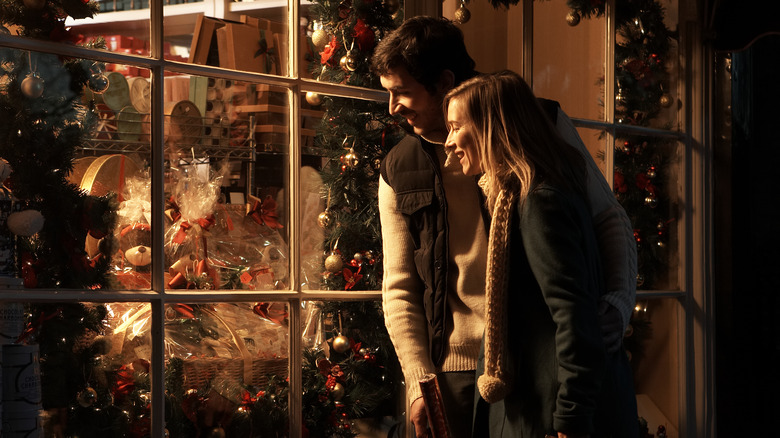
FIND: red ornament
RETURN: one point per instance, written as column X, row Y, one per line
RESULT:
column 326, row 56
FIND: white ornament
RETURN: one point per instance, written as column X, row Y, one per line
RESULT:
column 139, row 255
column 25, row 222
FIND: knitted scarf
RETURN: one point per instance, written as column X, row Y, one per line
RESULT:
column 495, row 382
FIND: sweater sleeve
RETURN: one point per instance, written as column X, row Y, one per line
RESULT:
column 614, row 232
column 402, row 294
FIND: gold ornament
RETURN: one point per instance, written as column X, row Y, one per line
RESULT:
column 325, row 220
column 462, row 14
column 313, row 98
column 338, row 391
column 651, row 201
column 573, row 18
column 333, row 263
column 666, row 100
column 349, row 62
column 87, row 397
column 98, row 83
column 341, row 343
column 320, row 38
column 32, row 86
column 350, row 159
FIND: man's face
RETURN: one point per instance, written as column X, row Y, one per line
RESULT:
column 412, row 101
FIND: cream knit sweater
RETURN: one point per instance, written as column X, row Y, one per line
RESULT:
column 402, row 289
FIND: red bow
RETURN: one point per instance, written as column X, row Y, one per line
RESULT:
column 272, row 311
column 172, row 212
column 264, row 213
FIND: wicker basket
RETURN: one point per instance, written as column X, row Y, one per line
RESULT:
column 201, row 370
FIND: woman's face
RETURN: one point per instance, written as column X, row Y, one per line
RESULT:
column 460, row 140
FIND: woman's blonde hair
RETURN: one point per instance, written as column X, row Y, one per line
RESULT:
column 516, row 141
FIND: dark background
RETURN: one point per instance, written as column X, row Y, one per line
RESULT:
column 746, row 274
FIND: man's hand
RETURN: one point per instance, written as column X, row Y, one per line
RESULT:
column 419, row 418
column 611, row 326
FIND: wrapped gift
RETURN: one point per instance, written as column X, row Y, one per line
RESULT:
column 248, row 48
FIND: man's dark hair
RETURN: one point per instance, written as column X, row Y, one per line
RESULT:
column 425, row 47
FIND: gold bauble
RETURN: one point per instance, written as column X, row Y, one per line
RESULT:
column 333, row 263
column 351, row 159
column 348, row 62
column 573, row 18
column 87, row 397
column 32, row 86
column 313, row 98
column 325, row 220
column 338, row 391
column 666, row 100
column 320, row 38
column 341, row 343
column 462, row 15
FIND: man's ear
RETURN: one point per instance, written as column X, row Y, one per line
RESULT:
column 446, row 81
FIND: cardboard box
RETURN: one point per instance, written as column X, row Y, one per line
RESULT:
column 248, row 48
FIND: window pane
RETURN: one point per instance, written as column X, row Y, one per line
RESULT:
column 249, row 36
column 78, row 145
column 124, row 24
column 571, row 73
column 652, row 339
column 338, row 39
column 226, row 369
column 80, row 376
column 646, row 66
column 350, row 369
column 344, row 141
column 227, row 148
column 647, row 182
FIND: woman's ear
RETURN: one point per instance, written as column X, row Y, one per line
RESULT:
column 446, row 81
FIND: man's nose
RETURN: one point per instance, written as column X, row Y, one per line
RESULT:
column 394, row 107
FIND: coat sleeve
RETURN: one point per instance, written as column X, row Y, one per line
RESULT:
column 554, row 234
column 402, row 294
column 613, row 229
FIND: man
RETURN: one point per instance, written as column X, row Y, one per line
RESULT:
column 435, row 234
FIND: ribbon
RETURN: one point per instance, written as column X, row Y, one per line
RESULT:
column 32, row 327
column 182, row 233
column 270, row 58
column 172, row 212
column 137, row 225
column 264, row 213
column 228, row 221
column 272, row 312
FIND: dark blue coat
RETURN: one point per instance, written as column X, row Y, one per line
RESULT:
column 563, row 378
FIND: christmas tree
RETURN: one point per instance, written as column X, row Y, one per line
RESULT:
column 44, row 126
column 350, row 374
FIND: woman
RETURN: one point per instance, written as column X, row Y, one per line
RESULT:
column 545, row 370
